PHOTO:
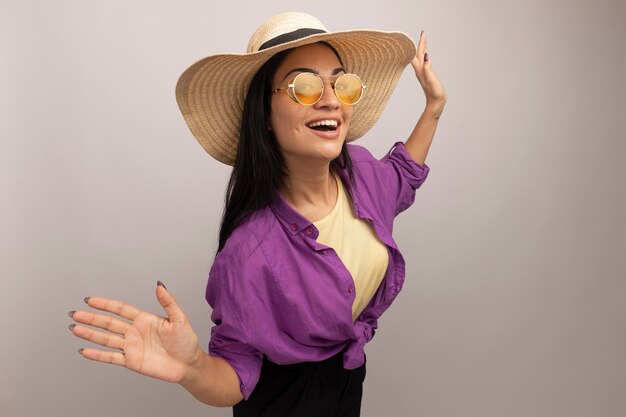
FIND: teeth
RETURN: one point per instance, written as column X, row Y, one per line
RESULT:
column 323, row 123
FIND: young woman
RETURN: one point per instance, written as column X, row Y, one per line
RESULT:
column 306, row 262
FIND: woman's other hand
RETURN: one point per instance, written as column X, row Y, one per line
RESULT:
column 436, row 96
column 160, row 347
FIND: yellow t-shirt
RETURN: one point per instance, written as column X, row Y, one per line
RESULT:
column 358, row 247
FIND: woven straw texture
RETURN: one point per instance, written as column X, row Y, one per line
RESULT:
column 211, row 92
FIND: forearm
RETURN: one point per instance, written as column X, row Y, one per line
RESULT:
column 213, row 381
column 422, row 136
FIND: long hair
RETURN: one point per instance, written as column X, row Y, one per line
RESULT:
column 259, row 170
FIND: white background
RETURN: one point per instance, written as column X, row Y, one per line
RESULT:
column 516, row 245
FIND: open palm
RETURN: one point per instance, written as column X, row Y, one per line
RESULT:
column 434, row 91
column 159, row 347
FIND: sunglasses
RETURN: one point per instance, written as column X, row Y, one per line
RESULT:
column 307, row 88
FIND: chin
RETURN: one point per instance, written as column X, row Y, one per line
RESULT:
column 333, row 151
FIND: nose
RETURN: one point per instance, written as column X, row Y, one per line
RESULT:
column 329, row 99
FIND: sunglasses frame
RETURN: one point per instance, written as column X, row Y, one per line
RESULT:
column 292, row 83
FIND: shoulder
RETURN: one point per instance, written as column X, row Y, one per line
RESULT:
column 397, row 159
column 392, row 178
column 359, row 153
column 242, row 266
column 396, row 152
column 246, row 239
column 364, row 164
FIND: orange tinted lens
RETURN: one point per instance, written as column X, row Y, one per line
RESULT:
column 307, row 88
column 349, row 89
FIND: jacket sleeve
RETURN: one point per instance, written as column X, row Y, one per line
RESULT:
column 389, row 183
column 404, row 176
column 230, row 336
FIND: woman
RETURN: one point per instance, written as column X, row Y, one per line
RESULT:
column 306, row 263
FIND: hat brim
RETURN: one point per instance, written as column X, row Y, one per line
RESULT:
column 212, row 91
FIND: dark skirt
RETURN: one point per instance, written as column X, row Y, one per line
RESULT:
column 308, row 389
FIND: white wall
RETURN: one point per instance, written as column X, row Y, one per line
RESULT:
column 514, row 299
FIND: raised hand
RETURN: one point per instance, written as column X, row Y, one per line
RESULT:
column 159, row 347
column 436, row 96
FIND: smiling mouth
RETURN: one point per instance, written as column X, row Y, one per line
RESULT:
column 323, row 125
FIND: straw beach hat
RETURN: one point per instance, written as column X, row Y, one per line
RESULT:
column 211, row 92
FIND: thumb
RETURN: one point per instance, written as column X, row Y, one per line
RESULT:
column 169, row 304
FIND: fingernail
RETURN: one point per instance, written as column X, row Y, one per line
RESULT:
column 421, row 34
column 80, row 351
column 72, row 327
column 161, row 284
column 426, row 57
column 86, row 300
column 71, row 313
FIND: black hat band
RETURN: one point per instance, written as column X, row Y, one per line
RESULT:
column 291, row 36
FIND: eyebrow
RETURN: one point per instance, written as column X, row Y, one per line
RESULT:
column 335, row 71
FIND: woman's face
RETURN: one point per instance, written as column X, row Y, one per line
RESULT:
column 291, row 122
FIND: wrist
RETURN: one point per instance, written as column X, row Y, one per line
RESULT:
column 212, row 381
column 194, row 367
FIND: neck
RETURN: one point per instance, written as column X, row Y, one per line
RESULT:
column 311, row 191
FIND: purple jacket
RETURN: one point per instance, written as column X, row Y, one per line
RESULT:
column 276, row 292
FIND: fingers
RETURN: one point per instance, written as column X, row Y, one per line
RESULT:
column 120, row 308
column 168, row 302
column 99, row 320
column 109, row 340
column 115, row 358
column 420, row 62
column 421, row 48
column 115, row 326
